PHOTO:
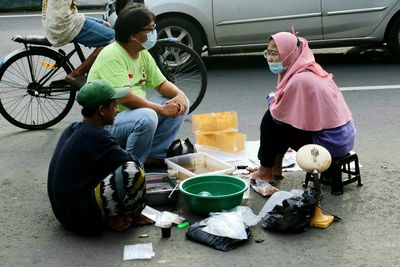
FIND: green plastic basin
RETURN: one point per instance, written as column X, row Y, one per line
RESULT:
column 212, row 193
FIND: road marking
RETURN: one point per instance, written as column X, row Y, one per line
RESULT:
column 39, row 15
column 376, row 87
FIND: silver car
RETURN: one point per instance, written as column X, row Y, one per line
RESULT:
column 226, row 26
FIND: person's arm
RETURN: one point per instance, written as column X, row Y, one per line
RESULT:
column 105, row 148
column 132, row 101
column 177, row 97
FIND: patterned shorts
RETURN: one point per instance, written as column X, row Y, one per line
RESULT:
column 123, row 192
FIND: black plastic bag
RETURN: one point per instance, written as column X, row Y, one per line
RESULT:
column 179, row 147
column 222, row 243
column 293, row 216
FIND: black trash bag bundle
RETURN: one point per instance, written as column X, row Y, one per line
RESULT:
column 179, row 147
column 293, row 216
column 222, row 243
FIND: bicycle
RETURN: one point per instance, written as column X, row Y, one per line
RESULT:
column 34, row 95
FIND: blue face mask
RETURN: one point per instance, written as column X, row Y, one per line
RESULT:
column 276, row 67
column 151, row 40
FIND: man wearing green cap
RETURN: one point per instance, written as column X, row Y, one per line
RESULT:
column 92, row 181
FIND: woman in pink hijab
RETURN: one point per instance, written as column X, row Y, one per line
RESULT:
column 307, row 107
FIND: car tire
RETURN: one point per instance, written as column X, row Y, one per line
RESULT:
column 394, row 38
column 173, row 28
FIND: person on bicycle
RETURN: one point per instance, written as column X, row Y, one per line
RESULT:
column 64, row 24
column 92, row 181
column 144, row 127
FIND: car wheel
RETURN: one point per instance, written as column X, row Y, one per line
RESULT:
column 394, row 38
column 182, row 30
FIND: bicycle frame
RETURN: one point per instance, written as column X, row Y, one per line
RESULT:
column 65, row 59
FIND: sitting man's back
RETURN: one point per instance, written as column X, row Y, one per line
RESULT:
column 92, row 181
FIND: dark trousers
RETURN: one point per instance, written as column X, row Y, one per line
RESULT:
column 276, row 137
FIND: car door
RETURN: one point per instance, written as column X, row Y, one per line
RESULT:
column 353, row 19
column 238, row 22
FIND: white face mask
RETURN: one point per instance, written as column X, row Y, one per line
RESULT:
column 151, row 40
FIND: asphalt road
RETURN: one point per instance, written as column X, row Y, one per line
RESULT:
column 367, row 236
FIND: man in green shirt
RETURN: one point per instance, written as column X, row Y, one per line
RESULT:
column 145, row 127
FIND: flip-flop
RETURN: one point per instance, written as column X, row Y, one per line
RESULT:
column 77, row 82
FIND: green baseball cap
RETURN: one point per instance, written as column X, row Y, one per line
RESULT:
column 98, row 92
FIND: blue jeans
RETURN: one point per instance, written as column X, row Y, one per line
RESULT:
column 144, row 133
column 94, row 33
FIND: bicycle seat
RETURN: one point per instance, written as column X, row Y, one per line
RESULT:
column 31, row 39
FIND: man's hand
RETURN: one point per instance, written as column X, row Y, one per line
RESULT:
column 169, row 109
column 177, row 97
column 180, row 102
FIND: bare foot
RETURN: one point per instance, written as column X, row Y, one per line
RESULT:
column 276, row 177
column 119, row 223
column 277, row 172
column 142, row 220
column 277, row 168
column 263, row 173
column 251, row 169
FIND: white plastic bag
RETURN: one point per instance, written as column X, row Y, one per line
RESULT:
column 166, row 217
column 230, row 224
column 249, row 218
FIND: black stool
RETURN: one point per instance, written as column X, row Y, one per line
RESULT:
column 333, row 175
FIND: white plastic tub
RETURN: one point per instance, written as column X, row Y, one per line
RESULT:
column 196, row 164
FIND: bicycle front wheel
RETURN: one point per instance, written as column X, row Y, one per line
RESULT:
column 184, row 67
column 33, row 95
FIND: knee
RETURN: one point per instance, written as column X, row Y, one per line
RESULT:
column 149, row 118
column 133, row 174
column 109, row 34
column 188, row 107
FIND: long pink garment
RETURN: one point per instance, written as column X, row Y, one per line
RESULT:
column 306, row 96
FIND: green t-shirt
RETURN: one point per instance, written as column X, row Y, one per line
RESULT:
column 114, row 65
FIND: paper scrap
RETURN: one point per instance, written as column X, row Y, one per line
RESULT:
column 139, row 251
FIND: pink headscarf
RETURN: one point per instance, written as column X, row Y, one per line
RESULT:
column 306, row 96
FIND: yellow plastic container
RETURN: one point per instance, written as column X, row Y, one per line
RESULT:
column 215, row 122
column 231, row 142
